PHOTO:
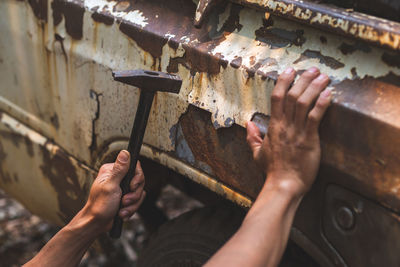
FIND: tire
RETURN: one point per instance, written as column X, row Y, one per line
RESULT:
column 192, row 238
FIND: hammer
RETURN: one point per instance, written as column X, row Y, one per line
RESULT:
column 148, row 82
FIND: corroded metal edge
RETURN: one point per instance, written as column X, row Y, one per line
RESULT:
column 182, row 168
column 195, row 175
column 368, row 28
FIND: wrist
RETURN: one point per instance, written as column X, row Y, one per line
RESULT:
column 85, row 224
column 286, row 184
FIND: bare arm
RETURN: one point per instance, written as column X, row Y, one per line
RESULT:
column 290, row 155
column 69, row 245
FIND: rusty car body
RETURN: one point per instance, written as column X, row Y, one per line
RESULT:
column 61, row 114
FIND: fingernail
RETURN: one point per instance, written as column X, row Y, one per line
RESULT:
column 289, row 70
column 123, row 156
column 322, row 77
column 313, row 70
column 326, row 93
column 124, row 213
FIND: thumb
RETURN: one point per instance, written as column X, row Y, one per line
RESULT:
column 121, row 166
column 253, row 137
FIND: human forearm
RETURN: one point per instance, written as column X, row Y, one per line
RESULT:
column 69, row 245
column 262, row 238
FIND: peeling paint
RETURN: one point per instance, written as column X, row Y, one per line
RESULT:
column 228, row 67
column 105, row 7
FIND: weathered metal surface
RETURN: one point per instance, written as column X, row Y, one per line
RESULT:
column 224, row 150
column 202, row 11
column 375, row 231
column 40, row 174
column 183, row 168
column 338, row 20
column 55, row 68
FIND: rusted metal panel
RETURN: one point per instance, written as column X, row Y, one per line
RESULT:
column 40, row 174
column 338, row 20
column 228, row 67
column 55, row 68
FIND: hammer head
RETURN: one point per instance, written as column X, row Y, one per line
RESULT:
column 149, row 80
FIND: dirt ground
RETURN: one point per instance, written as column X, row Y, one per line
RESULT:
column 22, row 234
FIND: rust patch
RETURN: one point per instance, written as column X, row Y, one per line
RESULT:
column 156, row 33
column 39, row 8
column 360, row 136
column 54, row 121
column 236, row 63
column 94, row 95
column 277, row 37
column 174, row 62
column 346, row 48
column 147, row 40
column 103, row 18
column 326, row 60
column 73, row 16
column 61, row 173
column 60, row 39
column 219, row 149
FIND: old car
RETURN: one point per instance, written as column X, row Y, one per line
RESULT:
column 62, row 115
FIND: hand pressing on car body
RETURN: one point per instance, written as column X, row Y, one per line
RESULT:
column 290, row 152
column 290, row 155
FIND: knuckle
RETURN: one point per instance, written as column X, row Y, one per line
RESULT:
column 307, row 75
column 284, row 77
column 108, row 188
column 105, row 167
column 276, row 97
column 318, row 83
column 301, row 103
column 312, row 117
column 320, row 104
column 292, row 96
column 117, row 168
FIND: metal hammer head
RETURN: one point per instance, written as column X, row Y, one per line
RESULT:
column 149, row 80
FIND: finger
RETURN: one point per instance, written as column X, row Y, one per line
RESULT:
column 127, row 212
column 307, row 99
column 316, row 114
column 279, row 93
column 121, row 166
column 253, row 137
column 297, row 90
column 138, row 179
column 132, row 197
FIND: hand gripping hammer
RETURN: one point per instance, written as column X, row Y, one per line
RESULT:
column 149, row 82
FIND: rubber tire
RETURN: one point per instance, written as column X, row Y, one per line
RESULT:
column 192, row 238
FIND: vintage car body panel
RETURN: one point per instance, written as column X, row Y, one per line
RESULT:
column 56, row 59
